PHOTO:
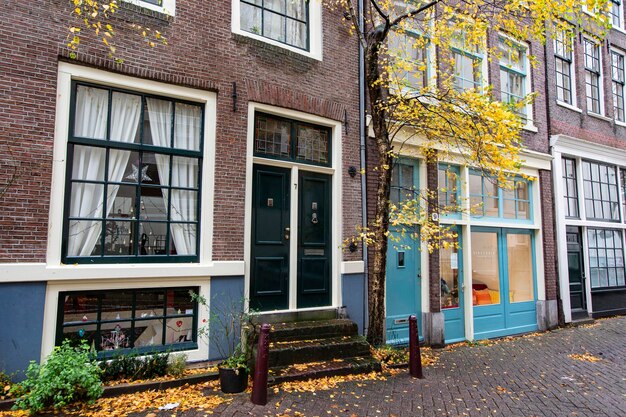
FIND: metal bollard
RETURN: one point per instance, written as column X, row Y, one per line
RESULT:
column 259, row 383
column 415, row 357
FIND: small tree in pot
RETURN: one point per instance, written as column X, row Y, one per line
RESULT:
column 223, row 330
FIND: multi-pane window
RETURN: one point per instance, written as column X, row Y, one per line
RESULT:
column 617, row 85
column 488, row 199
column 467, row 61
column 448, row 188
column 615, row 13
column 409, row 52
column 600, row 190
column 569, row 188
column 563, row 60
column 512, row 74
column 280, row 138
column 403, row 182
column 592, row 75
column 606, row 258
column 133, row 179
column 285, row 21
column 623, row 185
column 141, row 319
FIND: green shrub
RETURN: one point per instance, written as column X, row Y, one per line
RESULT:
column 131, row 366
column 6, row 384
column 177, row 365
column 68, row 374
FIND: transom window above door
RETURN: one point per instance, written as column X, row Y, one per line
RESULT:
column 279, row 138
column 285, row 21
column 133, row 177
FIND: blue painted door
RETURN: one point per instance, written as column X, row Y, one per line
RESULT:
column 403, row 295
column 452, row 303
column 503, row 282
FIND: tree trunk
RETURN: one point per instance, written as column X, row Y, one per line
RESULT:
column 380, row 223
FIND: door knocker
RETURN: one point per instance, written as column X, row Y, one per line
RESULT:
column 314, row 219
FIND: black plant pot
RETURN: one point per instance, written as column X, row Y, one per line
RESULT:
column 233, row 380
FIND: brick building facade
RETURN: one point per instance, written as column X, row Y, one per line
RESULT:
column 273, row 101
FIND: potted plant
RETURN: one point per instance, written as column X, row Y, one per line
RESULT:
column 224, row 332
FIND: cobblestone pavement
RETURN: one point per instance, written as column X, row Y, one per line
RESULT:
column 525, row 376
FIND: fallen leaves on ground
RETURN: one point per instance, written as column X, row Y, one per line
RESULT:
column 187, row 396
column 389, row 356
column 188, row 372
column 586, row 357
column 326, row 383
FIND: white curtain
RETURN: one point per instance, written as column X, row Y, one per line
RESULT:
column 89, row 162
column 184, row 170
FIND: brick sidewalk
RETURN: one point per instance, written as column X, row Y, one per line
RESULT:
column 529, row 376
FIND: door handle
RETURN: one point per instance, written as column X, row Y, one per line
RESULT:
column 286, row 233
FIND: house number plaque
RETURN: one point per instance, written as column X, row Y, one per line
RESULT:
column 270, row 202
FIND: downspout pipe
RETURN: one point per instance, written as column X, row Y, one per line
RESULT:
column 362, row 142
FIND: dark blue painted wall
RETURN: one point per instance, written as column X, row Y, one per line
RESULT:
column 21, row 324
column 353, row 293
column 226, row 305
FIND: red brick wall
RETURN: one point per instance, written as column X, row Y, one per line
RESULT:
column 550, row 259
column 202, row 53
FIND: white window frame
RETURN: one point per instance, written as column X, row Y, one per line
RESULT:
column 623, row 55
column 620, row 6
column 69, row 72
column 315, row 30
column 167, row 7
column 572, row 73
column 601, row 110
column 529, row 125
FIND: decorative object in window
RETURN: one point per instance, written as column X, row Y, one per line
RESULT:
column 147, row 320
column 133, row 177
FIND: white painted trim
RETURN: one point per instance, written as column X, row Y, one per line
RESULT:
column 66, row 74
column 31, row 272
column 529, row 126
column 336, row 207
column 580, row 148
column 569, row 106
column 468, row 304
column 168, row 7
column 587, row 280
column 315, row 30
column 52, row 302
column 352, row 267
column 600, row 79
column 599, row 116
column 423, row 250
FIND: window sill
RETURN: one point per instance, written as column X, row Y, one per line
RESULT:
column 152, row 10
column 599, row 116
column 618, row 29
column 568, row 106
column 623, row 124
column 530, row 127
column 278, row 46
column 607, row 289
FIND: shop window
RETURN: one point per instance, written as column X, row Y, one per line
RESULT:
column 449, row 269
column 563, row 59
column 606, row 258
column 409, row 50
column 617, row 85
column 284, row 21
column 570, row 189
column 593, row 76
column 520, row 267
column 485, row 268
column 403, row 182
column 133, row 178
column 280, row 138
column 142, row 320
column 513, row 72
column 623, row 185
column 487, row 199
column 449, row 189
column 600, row 190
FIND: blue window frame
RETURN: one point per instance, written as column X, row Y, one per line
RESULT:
column 512, row 204
column 410, row 51
column 404, row 183
column 467, row 61
column 449, row 179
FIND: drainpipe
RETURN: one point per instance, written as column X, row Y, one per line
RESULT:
column 362, row 141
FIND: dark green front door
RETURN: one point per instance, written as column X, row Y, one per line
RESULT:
column 269, row 267
column 575, row 270
column 314, row 249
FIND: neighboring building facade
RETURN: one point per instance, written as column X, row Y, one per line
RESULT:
column 501, row 280
column 587, row 140
column 217, row 164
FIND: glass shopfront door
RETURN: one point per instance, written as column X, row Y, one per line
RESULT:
column 451, row 269
column 503, row 282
